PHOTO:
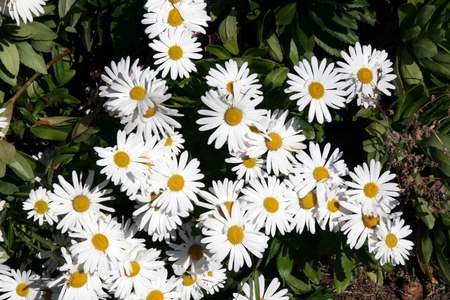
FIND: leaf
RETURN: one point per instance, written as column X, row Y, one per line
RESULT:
column 284, row 267
column 31, row 58
column 276, row 78
column 9, row 57
column 51, row 133
column 312, row 272
column 64, row 7
column 410, row 33
column 424, row 48
column 22, row 167
column 218, row 51
column 275, row 246
column 7, row 152
column 424, row 14
column 440, row 243
column 37, row 31
column 343, row 272
column 286, row 14
column 275, row 48
column 411, row 72
column 424, row 213
column 228, row 33
column 7, row 188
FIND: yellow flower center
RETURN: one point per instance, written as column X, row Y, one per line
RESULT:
column 321, row 173
column 78, row 279
column 275, row 141
column 271, row 204
column 175, row 52
column 175, row 183
column 135, row 269
column 235, row 234
column 333, row 205
column 155, row 295
column 81, row 203
column 316, row 90
column 100, row 242
column 41, row 206
column 121, row 159
column 370, row 221
column 249, row 162
column 169, row 141
column 150, row 112
column 391, row 240
column 309, row 201
column 22, row 289
column 175, row 19
column 233, row 116
column 230, row 87
column 365, row 75
column 210, row 274
column 138, row 93
column 371, row 190
column 189, row 280
column 195, row 252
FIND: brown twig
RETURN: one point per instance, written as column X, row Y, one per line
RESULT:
column 36, row 75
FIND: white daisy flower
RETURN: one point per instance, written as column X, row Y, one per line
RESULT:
column 185, row 15
column 271, row 293
column 330, row 211
column 389, row 243
column 233, row 81
column 224, row 192
column 358, row 226
column 320, row 170
column 214, row 277
column 172, row 144
column 3, row 122
column 316, row 85
column 40, row 207
column 373, row 190
column 125, row 162
column 160, row 288
column 189, row 255
column 115, row 71
column 235, row 236
column 279, row 140
column 181, row 180
column 76, row 283
column 17, row 285
column 266, row 204
column 367, row 74
column 247, row 167
column 100, row 245
column 189, row 286
column 141, row 267
column 78, row 201
column 175, row 50
column 157, row 222
column 23, row 11
column 231, row 120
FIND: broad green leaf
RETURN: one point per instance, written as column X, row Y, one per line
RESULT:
column 286, row 14
column 31, row 58
column 228, row 33
column 441, row 246
column 276, row 78
column 45, row 132
column 423, row 211
column 312, row 272
column 411, row 72
column 424, row 14
column 218, row 51
column 424, row 48
column 38, row 31
column 7, row 188
column 64, row 7
column 275, row 246
column 410, row 33
column 22, row 167
column 7, row 152
column 343, row 272
column 275, row 48
column 9, row 57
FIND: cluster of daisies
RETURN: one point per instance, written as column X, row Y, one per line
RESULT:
column 22, row 11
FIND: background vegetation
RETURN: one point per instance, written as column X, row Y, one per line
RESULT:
column 60, row 115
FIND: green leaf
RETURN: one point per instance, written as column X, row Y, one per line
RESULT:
column 31, row 58
column 51, row 133
column 286, row 14
column 410, row 33
column 424, row 48
column 424, row 14
column 312, row 272
column 440, row 243
column 64, row 7
column 7, row 152
column 275, row 48
column 7, row 188
column 275, row 246
column 9, row 57
column 218, row 51
column 424, row 213
column 228, row 33
column 284, row 267
column 343, row 272
column 411, row 72
column 37, row 31
column 276, row 78
column 22, row 167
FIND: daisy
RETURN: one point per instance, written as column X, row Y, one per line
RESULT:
column 232, row 80
column 184, row 15
column 40, row 207
column 172, row 144
column 113, row 73
column 357, row 226
column 189, row 286
column 76, row 283
column 389, row 243
column 279, row 139
column 181, row 180
column 23, row 11
column 367, row 73
column 100, row 245
column 247, row 167
column 3, row 123
column 160, row 288
column 266, row 204
column 190, row 255
column 330, row 211
column 125, row 162
column 320, row 170
column 141, row 267
column 175, row 49
column 224, row 192
column 214, row 277
column 376, row 193
column 271, row 293
column 316, row 85
column 231, row 120
column 233, row 235
column 78, row 201
column 17, row 285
